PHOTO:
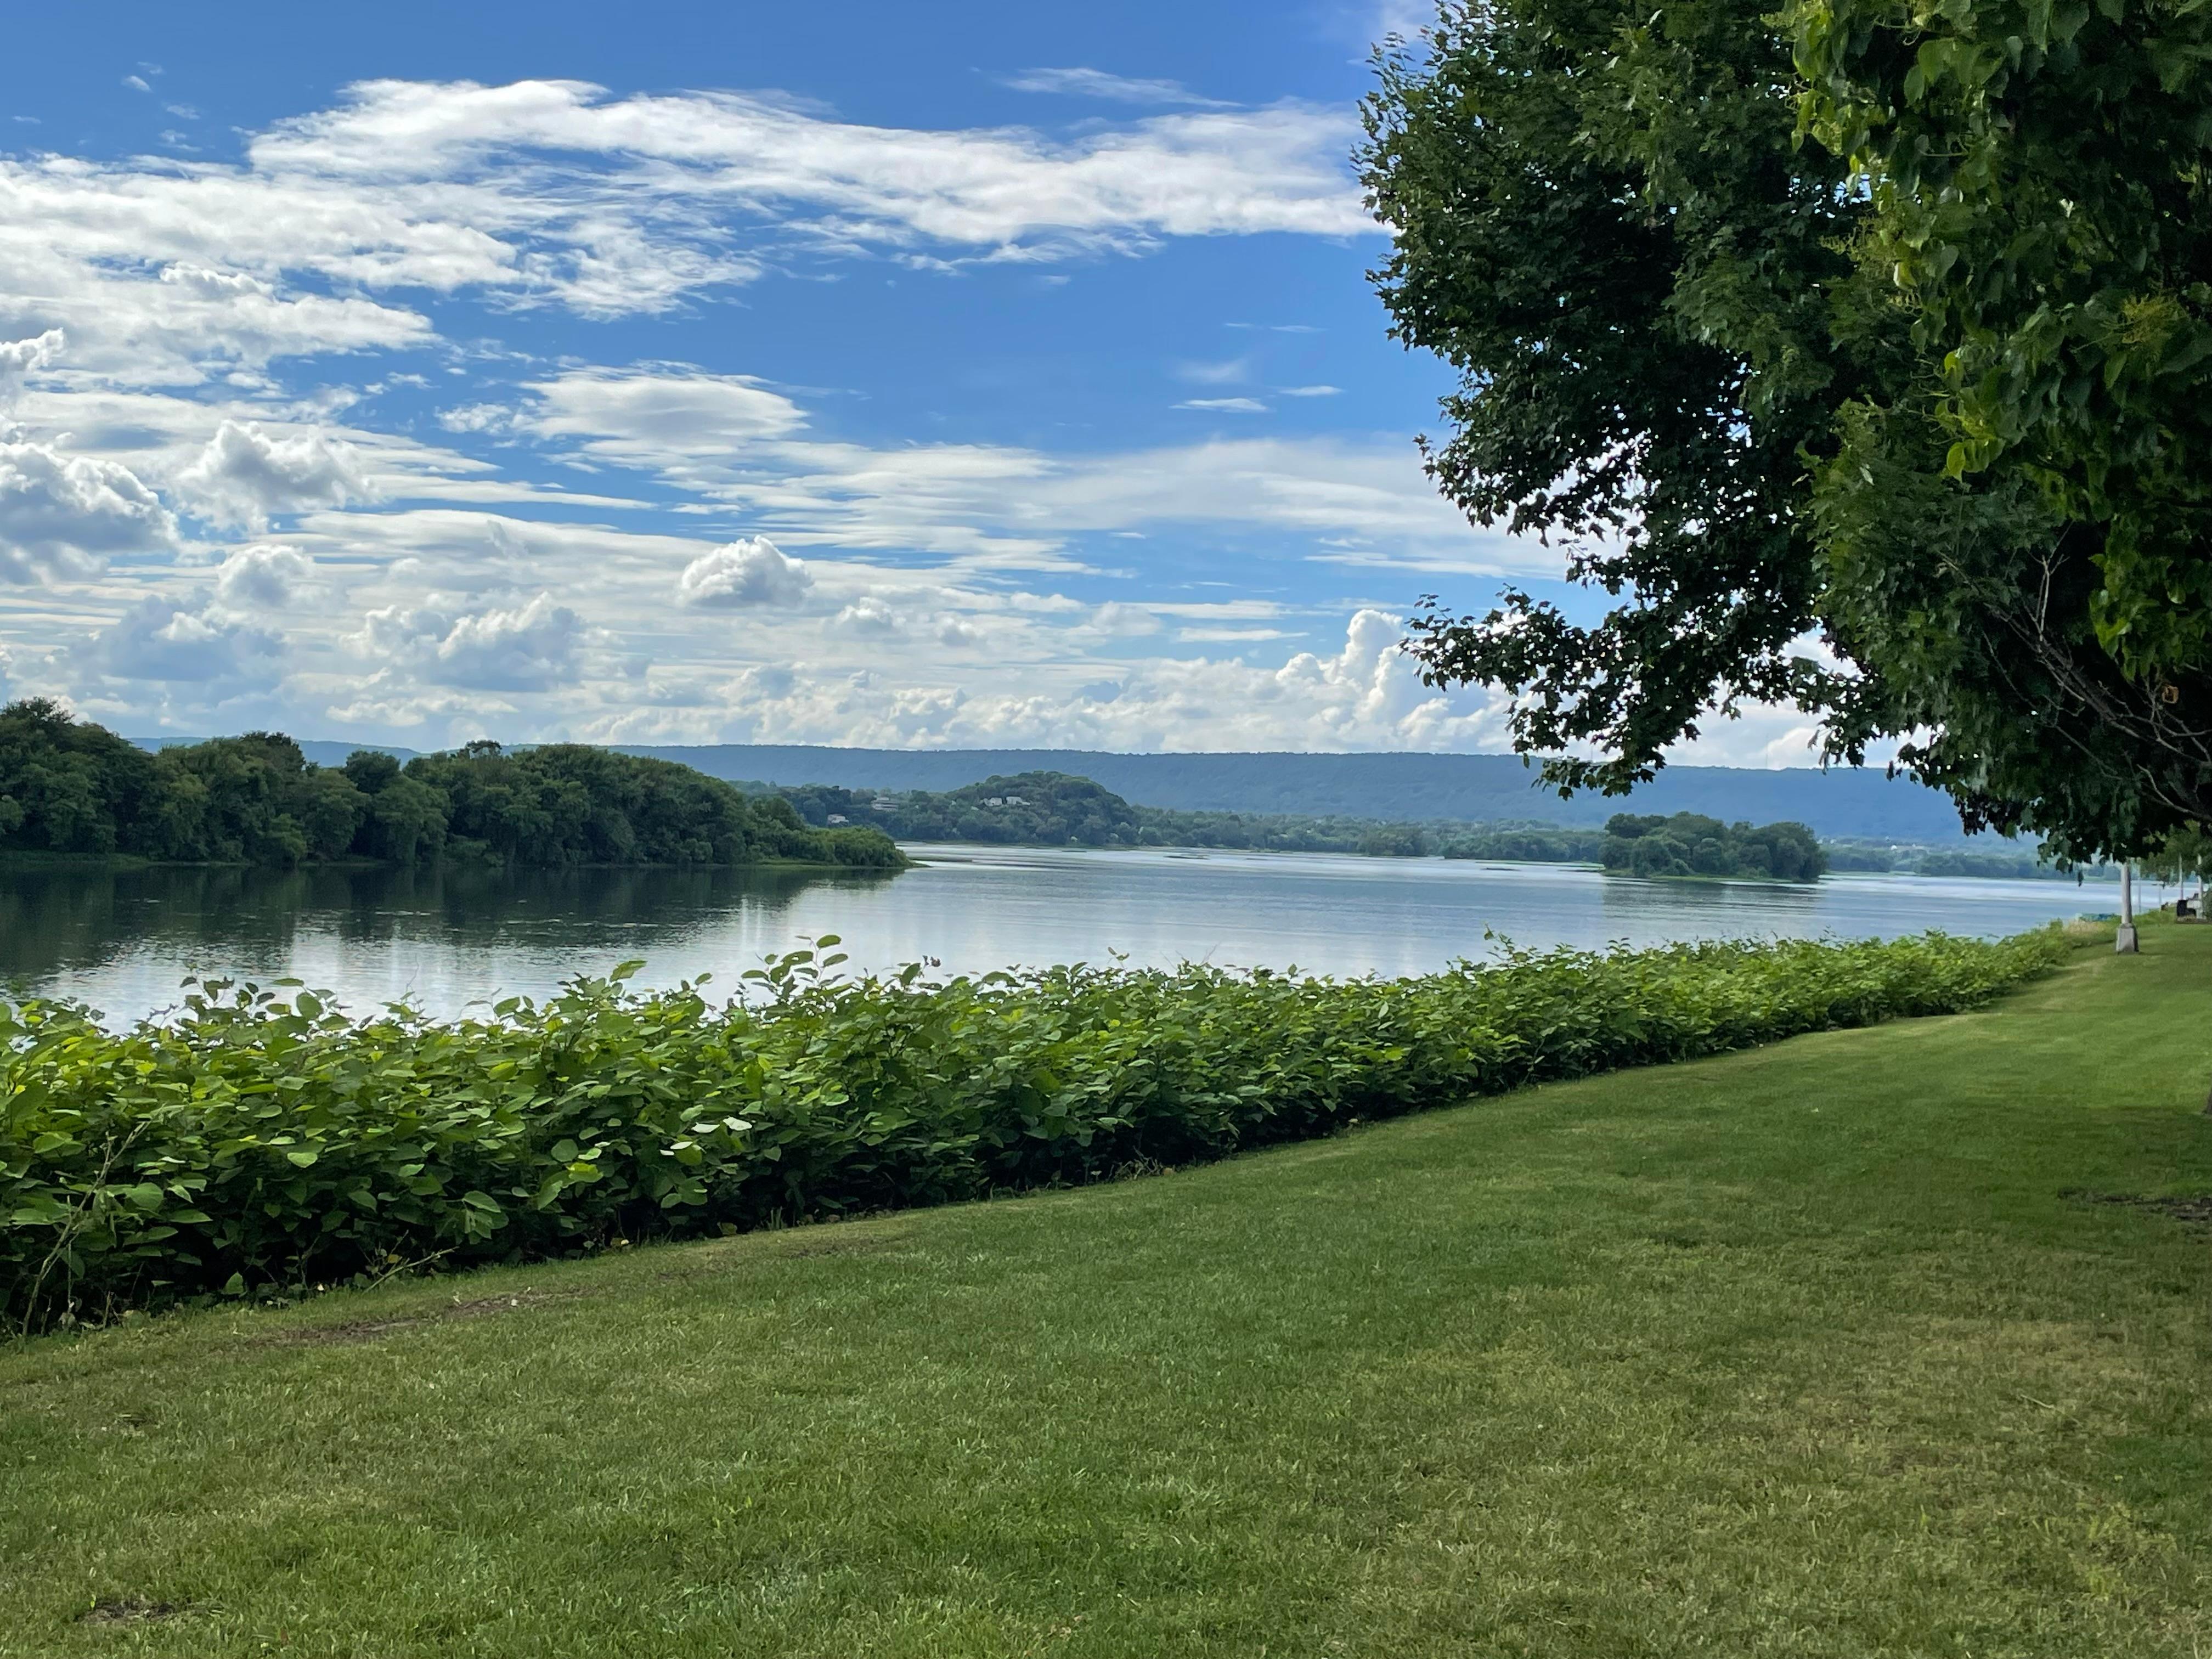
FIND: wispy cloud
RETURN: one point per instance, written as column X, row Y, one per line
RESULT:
column 1114, row 89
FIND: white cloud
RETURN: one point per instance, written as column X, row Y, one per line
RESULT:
column 19, row 358
column 1114, row 89
column 1125, row 620
column 867, row 615
column 137, row 83
column 535, row 648
column 645, row 414
column 1002, row 507
column 753, row 571
column 245, row 474
column 1364, row 696
column 62, row 514
column 1226, row 405
column 478, row 418
column 170, row 270
column 1278, row 168
column 1311, row 391
column 160, row 640
column 268, row 577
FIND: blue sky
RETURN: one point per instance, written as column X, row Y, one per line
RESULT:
column 957, row 376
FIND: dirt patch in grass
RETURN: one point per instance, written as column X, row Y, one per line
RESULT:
column 2196, row 1210
column 128, row 1610
column 368, row 1330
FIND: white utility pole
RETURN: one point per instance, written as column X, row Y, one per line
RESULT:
column 2125, row 943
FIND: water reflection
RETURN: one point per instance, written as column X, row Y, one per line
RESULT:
column 124, row 938
column 445, row 939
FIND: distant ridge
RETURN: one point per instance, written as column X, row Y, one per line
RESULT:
column 1398, row 787
column 1842, row 804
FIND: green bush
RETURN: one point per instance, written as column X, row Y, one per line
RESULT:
column 262, row 1141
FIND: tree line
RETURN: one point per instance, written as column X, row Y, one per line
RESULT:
column 71, row 786
column 1057, row 809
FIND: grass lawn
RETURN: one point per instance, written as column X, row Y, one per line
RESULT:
column 1803, row 1350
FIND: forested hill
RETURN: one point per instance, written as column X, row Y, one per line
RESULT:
column 1407, row 788
column 72, row 788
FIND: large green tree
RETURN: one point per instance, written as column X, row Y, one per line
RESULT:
column 1870, row 321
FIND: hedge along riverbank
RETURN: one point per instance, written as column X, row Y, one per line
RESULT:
column 262, row 1141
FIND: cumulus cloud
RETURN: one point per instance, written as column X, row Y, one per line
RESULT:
column 753, row 571
column 62, row 514
column 267, row 578
column 867, row 615
column 19, row 358
column 535, row 647
column 245, row 474
column 1364, row 695
column 167, row 642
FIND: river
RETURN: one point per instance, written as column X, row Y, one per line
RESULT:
column 447, row 939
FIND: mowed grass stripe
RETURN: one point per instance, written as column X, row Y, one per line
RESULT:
column 1798, row 1351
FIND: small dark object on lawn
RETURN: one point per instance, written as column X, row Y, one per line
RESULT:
column 128, row 1610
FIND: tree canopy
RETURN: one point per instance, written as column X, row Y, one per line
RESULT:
column 1691, row 844
column 1879, row 323
column 69, row 787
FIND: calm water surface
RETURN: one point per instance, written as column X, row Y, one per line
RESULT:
column 443, row 939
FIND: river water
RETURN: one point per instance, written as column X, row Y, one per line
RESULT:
column 445, row 938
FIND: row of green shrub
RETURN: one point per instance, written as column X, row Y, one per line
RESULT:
column 261, row 1140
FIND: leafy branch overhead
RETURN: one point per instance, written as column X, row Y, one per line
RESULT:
column 1855, row 355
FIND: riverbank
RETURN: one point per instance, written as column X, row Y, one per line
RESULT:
column 32, row 862
column 260, row 1142
column 1868, row 1343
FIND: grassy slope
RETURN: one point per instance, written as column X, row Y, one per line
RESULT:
column 1796, row 1352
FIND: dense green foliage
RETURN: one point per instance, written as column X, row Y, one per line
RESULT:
column 259, row 1142
column 2023, row 523
column 68, row 786
column 1878, row 317
column 1690, row 844
column 1037, row 809
column 1603, row 219
column 1532, row 843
